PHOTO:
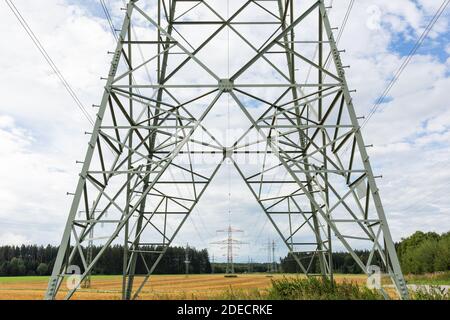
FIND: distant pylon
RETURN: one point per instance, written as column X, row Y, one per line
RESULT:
column 271, row 261
column 88, row 281
column 230, row 245
column 274, row 261
column 250, row 265
column 269, row 256
column 187, row 260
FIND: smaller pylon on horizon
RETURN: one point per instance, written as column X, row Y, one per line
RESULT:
column 272, row 265
column 274, row 261
column 231, row 244
column 187, row 261
column 89, row 252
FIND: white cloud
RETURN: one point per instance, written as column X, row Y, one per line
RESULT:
column 13, row 239
column 33, row 183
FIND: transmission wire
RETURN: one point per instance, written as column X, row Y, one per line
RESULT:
column 48, row 59
column 406, row 61
column 402, row 67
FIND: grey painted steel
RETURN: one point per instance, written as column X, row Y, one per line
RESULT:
column 230, row 244
column 143, row 133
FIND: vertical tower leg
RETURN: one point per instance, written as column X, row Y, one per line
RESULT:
column 63, row 259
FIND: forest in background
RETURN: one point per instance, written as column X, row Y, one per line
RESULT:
column 30, row 260
column 420, row 253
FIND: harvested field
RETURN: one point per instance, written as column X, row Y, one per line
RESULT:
column 160, row 287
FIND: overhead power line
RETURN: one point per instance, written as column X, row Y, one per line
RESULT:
column 344, row 22
column 338, row 38
column 406, row 61
column 48, row 59
column 108, row 17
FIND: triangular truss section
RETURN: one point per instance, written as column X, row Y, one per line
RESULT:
column 153, row 150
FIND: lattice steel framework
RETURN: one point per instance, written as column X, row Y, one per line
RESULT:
column 230, row 244
column 152, row 155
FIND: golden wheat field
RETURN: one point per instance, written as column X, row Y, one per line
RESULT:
column 160, row 287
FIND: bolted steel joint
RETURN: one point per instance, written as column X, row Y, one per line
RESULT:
column 226, row 85
column 228, row 152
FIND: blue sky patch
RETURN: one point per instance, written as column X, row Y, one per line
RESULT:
column 94, row 7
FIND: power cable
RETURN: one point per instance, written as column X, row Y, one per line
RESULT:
column 402, row 67
column 338, row 38
column 108, row 17
column 48, row 59
column 406, row 61
column 113, row 31
column 344, row 22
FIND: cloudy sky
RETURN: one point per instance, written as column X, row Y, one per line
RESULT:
column 42, row 130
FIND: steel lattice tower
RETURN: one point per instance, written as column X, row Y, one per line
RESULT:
column 145, row 163
column 230, row 244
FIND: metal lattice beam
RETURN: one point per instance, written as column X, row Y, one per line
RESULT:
column 142, row 178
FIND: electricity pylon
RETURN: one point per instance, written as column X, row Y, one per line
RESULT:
column 271, row 260
column 250, row 265
column 272, row 263
column 285, row 78
column 230, row 244
column 187, row 260
column 88, row 280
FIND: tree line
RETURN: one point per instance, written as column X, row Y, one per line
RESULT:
column 419, row 253
column 30, row 260
column 425, row 253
